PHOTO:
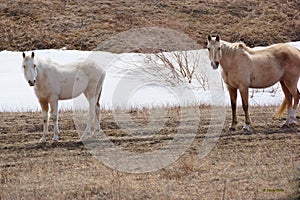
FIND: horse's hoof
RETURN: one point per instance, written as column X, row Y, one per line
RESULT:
column 85, row 136
column 246, row 127
column 285, row 126
column 55, row 138
column 42, row 140
column 232, row 129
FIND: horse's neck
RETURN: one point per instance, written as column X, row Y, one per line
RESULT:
column 225, row 44
column 41, row 66
column 226, row 48
column 227, row 55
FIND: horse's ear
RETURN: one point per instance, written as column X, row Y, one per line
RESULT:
column 209, row 38
column 218, row 38
column 32, row 55
column 23, row 55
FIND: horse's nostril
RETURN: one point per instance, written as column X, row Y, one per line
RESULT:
column 30, row 83
column 217, row 64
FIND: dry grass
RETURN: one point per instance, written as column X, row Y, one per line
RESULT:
column 261, row 164
column 40, row 24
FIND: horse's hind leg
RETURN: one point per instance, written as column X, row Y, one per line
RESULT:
column 96, row 121
column 292, row 111
column 92, row 112
column 288, row 96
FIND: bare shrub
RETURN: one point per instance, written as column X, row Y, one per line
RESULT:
column 179, row 67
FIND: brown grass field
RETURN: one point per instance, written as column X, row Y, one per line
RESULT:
column 261, row 164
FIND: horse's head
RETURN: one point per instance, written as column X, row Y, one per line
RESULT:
column 29, row 68
column 214, row 48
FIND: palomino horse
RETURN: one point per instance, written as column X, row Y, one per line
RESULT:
column 53, row 82
column 244, row 68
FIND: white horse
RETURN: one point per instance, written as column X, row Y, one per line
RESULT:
column 53, row 82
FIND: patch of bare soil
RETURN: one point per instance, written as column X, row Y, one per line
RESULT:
column 261, row 164
column 83, row 25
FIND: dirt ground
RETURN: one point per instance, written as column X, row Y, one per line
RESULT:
column 261, row 164
column 84, row 24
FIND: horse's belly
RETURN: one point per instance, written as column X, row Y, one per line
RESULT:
column 263, row 81
column 259, row 86
column 72, row 89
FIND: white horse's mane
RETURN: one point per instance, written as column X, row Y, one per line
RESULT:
column 45, row 63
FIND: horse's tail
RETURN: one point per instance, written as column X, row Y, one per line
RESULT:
column 279, row 112
column 284, row 105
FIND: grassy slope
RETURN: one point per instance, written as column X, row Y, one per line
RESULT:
column 28, row 25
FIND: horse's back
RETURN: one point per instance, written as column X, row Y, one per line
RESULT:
column 93, row 70
column 75, row 78
column 261, row 68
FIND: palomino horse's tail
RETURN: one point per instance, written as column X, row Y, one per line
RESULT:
column 284, row 105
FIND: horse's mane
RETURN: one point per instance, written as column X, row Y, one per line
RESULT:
column 41, row 63
column 231, row 48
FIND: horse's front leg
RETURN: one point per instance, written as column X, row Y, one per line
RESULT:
column 54, row 116
column 244, row 96
column 45, row 109
column 233, row 96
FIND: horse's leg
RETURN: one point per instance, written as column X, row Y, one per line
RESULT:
column 45, row 109
column 54, row 116
column 96, row 122
column 244, row 95
column 233, row 96
column 288, row 98
column 292, row 111
column 92, row 112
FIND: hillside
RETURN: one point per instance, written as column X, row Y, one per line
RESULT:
column 83, row 25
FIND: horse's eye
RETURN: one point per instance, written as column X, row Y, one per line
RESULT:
column 24, row 66
column 219, row 48
column 34, row 66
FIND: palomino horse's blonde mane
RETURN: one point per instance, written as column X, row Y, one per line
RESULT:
column 230, row 49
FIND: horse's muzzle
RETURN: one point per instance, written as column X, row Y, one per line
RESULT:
column 31, row 83
column 215, row 65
